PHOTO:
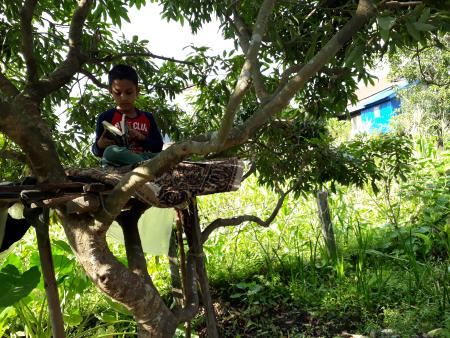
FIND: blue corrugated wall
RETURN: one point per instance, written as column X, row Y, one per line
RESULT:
column 381, row 122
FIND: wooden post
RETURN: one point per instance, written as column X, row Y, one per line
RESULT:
column 174, row 265
column 193, row 232
column 179, row 233
column 327, row 226
column 48, row 272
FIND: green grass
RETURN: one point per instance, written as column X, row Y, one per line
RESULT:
column 391, row 278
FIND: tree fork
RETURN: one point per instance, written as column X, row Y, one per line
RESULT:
column 88, row 241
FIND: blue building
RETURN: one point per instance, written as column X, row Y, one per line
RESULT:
column 373, row 112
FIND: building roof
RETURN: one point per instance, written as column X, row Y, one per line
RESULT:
column 387, row 92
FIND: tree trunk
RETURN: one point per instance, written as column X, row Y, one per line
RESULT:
column 327, row 226
column 130, row 288
column 33, row 131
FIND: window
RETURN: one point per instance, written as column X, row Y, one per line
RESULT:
column 376, row 111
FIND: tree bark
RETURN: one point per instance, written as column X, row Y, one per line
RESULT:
column 130, row 288
column 193, row 233
column 175, row 276
column 327, row 225
column 34, row 138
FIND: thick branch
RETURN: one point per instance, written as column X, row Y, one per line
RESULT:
column 284, row 94
column 128, row 220
column 241, row 30
column 74, row 60
column 233, row 221
column 113, row 278
column 7, row 87
column 244, row 40
column 247, row 69
column 27, row 38
column 76, row 25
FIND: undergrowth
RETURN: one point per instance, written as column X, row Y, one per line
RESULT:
column 391, row 277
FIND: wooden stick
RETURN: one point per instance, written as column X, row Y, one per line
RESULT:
column 75, row 204
column 51, row 287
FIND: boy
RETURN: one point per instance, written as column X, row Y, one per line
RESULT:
column 141, row 135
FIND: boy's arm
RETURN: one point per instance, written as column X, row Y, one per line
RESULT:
column 153, row 142
column 100, row 132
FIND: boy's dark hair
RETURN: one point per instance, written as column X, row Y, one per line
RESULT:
column 122, row 72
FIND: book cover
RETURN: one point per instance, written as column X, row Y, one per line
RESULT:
column 115, row 134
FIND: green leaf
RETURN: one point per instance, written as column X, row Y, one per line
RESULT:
column 73, row 319
column 63, row 246
column 384, row 34
column 413, row 31
column 107, row 317
column 385, row 22
column 423, row 27
column 16, row 286
column 375, row 188
column 354, row 55
column 118, row 307
column 425, row 15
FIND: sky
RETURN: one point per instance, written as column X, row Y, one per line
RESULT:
column 169, row 38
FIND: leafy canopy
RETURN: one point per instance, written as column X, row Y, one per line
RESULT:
column 295, row 33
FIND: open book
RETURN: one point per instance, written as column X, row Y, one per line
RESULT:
column 115, row 134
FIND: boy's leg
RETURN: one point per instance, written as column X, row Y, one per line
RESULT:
column 120, row 156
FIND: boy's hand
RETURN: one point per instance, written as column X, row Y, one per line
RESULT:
column 104, row 141
column 135, row 135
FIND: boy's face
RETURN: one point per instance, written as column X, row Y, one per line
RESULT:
column 124, row 93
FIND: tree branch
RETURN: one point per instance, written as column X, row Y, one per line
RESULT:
column 117, row 56
column 233, row 221
column 94, row 80
column 241, row 30
column 244, row 40
column 250, row 171
column 399, row 4
column 74, row 60
column 7, row 87
column 112, row 277
column 249, row 64
column 281, row 98
column 27, row 39
column 128, row 220
column 288, row 72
